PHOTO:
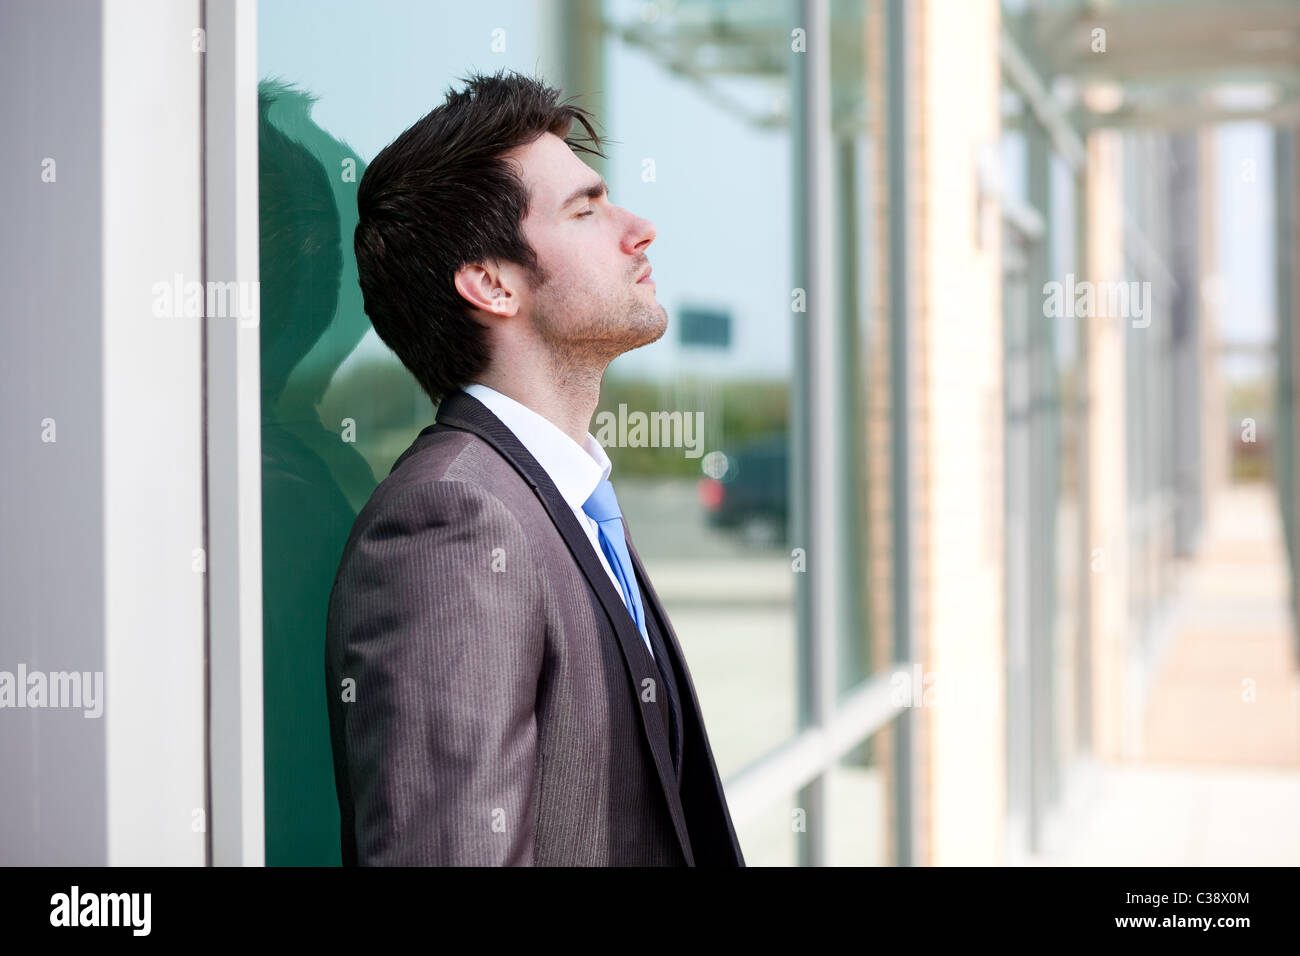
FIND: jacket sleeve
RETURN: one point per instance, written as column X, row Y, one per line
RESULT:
column 438, row 618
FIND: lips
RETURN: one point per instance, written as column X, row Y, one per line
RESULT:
column 645, row 276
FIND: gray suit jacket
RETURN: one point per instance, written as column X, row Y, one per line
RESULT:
column 490, row 698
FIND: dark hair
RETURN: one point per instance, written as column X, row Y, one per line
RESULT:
column 440, row 196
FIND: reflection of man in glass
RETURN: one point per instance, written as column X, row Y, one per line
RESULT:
column 306, row 469
column 504, row 684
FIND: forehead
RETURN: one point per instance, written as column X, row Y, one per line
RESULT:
column 551, row 171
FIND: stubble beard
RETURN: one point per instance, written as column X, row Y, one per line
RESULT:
column 584, row 332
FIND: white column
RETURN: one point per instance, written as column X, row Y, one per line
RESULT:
column 154, row 581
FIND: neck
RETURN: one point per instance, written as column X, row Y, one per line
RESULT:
column 564, row 394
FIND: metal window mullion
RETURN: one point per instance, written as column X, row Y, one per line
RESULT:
column 900, row 121
column 1042, row 558
column 822, row 474
column 233, row 491
column 1084, row 577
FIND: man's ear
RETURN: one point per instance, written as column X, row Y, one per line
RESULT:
column 486, row 286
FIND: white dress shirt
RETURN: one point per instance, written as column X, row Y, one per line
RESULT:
column 575, row 469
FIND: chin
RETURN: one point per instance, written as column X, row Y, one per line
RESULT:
column 644, row 326
column 663, row 322
column 655, row 324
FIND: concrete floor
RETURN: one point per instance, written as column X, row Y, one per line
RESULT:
column 1217, row 782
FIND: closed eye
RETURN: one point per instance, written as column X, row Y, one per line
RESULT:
column 585, row 212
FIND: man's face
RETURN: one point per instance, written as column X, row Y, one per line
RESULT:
column 594, row 303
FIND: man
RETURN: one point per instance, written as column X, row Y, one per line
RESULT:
column 504, row 686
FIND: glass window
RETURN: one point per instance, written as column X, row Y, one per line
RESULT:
column 706, row 155
column 695, row 105
column 337, row 406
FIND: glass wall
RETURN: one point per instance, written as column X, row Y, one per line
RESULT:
column 337, row 406
column 1027, row 557
column 1287, row 455
column 1045, row 415
column 697, row 103
column 1149, row 384
column 707, row 158
column 1068, row 413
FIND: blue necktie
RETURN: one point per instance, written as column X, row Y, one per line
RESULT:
column 602, row 507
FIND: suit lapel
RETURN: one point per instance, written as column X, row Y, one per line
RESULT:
column 685, row 687
column 463, row 411
column 657, row 633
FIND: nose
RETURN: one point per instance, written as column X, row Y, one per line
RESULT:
column 640, row 233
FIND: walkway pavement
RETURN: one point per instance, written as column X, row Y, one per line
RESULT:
column 1218, row 780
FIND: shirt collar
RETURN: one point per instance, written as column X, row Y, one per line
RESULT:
column 575, row 469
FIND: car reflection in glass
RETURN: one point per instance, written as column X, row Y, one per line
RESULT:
column 745, row 490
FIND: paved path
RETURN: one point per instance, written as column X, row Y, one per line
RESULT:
column 1218, row 780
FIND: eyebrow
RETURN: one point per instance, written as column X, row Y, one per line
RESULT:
column 593, row 191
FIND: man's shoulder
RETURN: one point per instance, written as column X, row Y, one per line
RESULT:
column 449, row 487
column 430, row 527
column 448, row 462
